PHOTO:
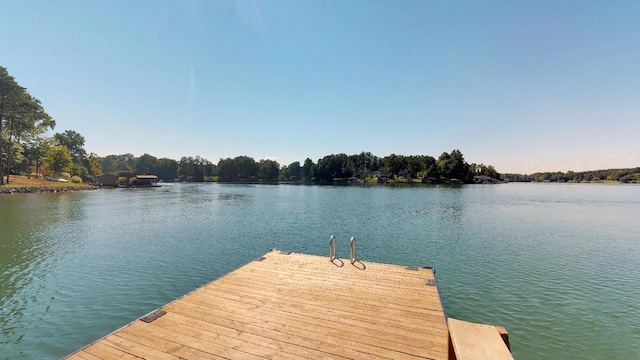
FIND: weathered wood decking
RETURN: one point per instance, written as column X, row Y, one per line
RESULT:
column 293, row 306
column 477, row 341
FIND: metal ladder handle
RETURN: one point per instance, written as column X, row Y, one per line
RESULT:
column 332, row 247
column 352, row 250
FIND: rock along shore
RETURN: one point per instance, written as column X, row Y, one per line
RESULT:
column 43, row 189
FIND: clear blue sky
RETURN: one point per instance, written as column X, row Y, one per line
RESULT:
column 523, row 85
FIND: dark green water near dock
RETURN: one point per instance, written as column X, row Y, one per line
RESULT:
column 557, row 264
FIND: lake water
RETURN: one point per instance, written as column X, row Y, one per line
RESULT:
column 557, row 264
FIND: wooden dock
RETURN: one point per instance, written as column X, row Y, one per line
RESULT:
column 296, row 306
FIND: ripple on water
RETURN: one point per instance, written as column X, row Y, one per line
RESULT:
column 557, row 273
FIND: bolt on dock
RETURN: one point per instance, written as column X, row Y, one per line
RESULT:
column 294, row 306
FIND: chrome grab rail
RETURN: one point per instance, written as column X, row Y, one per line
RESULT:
column 332, row 247
column 352, row 250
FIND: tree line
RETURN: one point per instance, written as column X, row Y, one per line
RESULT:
column 23, row 123
column 449, row 167
column 25, row 149
column 629, row 175
column 67, row 157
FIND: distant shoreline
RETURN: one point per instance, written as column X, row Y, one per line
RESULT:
column 43, row 189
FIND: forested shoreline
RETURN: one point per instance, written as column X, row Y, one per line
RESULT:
column 25, row 149
column 627, row 175
column 363, row 167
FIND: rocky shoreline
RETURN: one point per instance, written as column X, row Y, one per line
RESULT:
column 43, row 189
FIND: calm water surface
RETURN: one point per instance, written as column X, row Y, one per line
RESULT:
column 558, row 265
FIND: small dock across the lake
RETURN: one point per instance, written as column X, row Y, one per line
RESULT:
column 294, row 306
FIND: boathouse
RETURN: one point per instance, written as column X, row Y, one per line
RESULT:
column 108, row 180
column 145, row 180
column 133, row 179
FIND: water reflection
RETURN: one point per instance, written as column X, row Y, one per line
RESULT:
column 450, row 213
column 74, row 267
column 30, row 246
column 232, row 197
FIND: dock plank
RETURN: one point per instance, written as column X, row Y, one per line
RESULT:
column 373, row 331
column 136, row 348
column 85, row 356
column 313, row 331
column 428, row 305
column 392, row 319
column 134, row 332
column 104, row 351
column 472, row 341
column 225, row 327
column 294, row 306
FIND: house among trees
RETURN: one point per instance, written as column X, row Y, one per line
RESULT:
column 483, row 179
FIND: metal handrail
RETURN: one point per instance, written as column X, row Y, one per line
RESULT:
column 332, row 247
column 352, row 250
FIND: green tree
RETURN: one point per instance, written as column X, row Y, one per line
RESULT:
column 74, row 143
column 268, row 170
column 227, row 170
column 94, row 165
column 415, row 165
column 423, row 166
column 197, row 171
column 294, row 171
column 333, row 166
column 364, row 163
column 17, row 162
column 241, row 168
column 25, row 119
column 58, row 159
column 395, row 164
column 146, row 164
column 452, row 166
column 210, row 170
column 491, row 172
column 22, row 117
column 9, row 90
column 167, row 169
column 185, row 168
column 113, row 163
column 109, row 164
column 193, row 169
column 307, row 169
column 76, row 169
column 35, row 149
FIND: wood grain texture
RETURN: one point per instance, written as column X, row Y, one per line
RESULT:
column 473, row 341
column 293, row 306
